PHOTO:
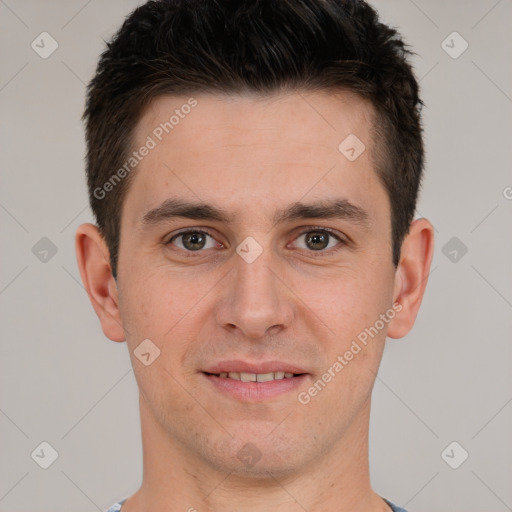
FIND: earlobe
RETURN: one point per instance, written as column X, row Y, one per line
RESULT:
column 94, row 265
column 412, row 275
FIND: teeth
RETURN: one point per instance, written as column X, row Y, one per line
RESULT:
column 265, row 377
column 256, row 377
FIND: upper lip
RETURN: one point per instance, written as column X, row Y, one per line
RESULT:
column 254, row 367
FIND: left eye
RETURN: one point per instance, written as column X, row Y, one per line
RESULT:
column 194, row 240
column 318, row 240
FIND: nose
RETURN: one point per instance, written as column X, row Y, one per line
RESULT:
column 256, row 300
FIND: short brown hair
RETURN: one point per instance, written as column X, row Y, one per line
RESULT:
column 176, row 47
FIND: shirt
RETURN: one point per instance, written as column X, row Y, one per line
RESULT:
column 117, row 506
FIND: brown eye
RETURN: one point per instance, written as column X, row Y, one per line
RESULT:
column 193, row 241
column 318, row 240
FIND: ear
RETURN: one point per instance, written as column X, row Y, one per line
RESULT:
column 94, row 264
column 411, row 276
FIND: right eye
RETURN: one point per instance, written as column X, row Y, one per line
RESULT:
column 193, row 240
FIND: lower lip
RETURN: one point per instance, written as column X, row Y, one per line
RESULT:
column 255, row 391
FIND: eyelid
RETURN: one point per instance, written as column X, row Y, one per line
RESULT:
column 333, row 232
column 190, row 230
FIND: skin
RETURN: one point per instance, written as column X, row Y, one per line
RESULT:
column 251, row 156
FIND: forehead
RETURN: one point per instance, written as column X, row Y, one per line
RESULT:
column 242, row 150
column 308, row 117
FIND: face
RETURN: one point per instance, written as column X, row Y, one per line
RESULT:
column 253, row 243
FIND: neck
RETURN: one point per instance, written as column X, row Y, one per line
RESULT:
column 175, row 479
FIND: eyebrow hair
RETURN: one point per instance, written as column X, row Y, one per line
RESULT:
column 330, row 209
column 326, row 209
column 171, row 208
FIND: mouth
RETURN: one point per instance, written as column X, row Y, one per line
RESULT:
column 254, row 382
column 255, row 377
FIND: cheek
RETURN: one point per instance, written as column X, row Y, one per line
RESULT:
column 352, row 309
column 164, row 314
column 155, row 305
column 348, row 302
column 163, row 309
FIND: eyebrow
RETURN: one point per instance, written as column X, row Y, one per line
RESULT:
column 326, row 209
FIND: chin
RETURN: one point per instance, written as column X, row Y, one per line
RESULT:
column 257, row 455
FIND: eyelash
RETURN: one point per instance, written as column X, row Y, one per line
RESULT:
column 321, row 253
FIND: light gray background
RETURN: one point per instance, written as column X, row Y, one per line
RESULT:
column 450, row 379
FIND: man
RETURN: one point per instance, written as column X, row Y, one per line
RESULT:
column 254, row 169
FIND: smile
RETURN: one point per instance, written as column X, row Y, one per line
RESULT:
column 255, row 387
column 256, row 377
